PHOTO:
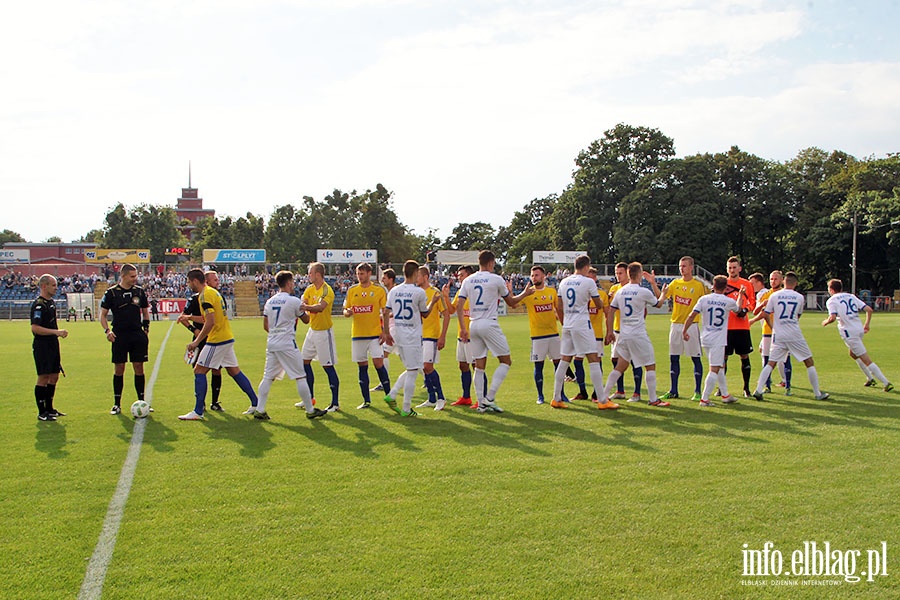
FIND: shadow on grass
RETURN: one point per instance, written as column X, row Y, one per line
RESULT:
column 368, row 438
column 156, row 433
column 51, row 439
column 255, row 440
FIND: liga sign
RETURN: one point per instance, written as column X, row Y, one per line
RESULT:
column 556, row 257
column 117, row 255
column 331, row 255
column 213, row 255
column 22, row 255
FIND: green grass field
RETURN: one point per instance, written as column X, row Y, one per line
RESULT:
column 534, row 503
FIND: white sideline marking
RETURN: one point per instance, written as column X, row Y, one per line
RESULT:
column 92, row 586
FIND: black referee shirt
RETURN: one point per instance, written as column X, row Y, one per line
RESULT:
column 125, row 306
column 43, row 313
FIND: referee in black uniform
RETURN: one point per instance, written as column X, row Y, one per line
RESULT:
column 192, row 318
column 129, row 333
column 46, row 348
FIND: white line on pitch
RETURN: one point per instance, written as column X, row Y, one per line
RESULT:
column 92, row 586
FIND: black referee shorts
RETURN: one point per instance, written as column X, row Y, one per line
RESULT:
column 130, row 346
column 739, row 342
column 46, row 356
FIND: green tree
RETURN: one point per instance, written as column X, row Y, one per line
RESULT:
column 471, row 236
column 53, row 239
column 8, row 235
column 523, row 224
column 119, row 229
column 157, row 228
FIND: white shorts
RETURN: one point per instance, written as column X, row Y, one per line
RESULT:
column 319, row 345
column 637, row 350
column 545, row 347
column 854, row 344
column 410, row 356
column 218, row 356
column 279, row 362
column 430, row 352
column 679, row 347
column 765, row 344
column 715, row 355
column 361, row 350
column 799, row 349
column 578, row 342
column 600, row 345
column 485, row 335
column 464, row 352
column 613, row 348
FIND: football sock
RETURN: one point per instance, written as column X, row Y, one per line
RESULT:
column 862, row 367
column 216, row 385
column 334, row 383
column 387, row 363
column 570, row 373
column 118, row 386
column 364, row 382
column 466, row 377
column 303, row 390
column 409, row 388
column 767, row 370
column 674, row 372
column 745, row 372
column 310, row 378
column 769, row 380
column 245, row 386
column 708, row 386
column 638, row 378
column 788, row 371
column 398, row 385
column 51, row 391
column 813, row 379
column 651, row 383
column 438, row 388
column 596, row 375
column 578, row 364
column 139, row 381
column 480, row 381
column 429, row 386
column 723, row 382
column 199, row 392
column 39, row 391
column 383, row 376
column 559, row 379
column 698, row 373
column 620, row 382
column 614, row 376
column 872, row 367
column 263, row 394
column 497, row 380
column 539, row 378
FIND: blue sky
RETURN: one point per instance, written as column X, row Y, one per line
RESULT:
column 466, row 110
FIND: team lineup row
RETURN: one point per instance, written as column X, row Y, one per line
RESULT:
column 412, row 320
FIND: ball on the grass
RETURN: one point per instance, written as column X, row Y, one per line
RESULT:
column 140, row 409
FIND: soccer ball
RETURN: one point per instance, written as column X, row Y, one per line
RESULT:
column 140, row 409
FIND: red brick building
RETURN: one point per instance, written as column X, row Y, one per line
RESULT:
column 190, row 207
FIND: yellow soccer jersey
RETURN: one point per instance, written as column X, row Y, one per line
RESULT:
column 598, row 317
column 366, row 304
column 612, row 294
column 684, row 295
column 542, row 320
column 767, row 329
column 211, row 302
column 431, row 325
column 320, row 321
column 465, row 313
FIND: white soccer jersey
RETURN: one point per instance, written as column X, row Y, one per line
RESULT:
column 484, row 291
column 785, row 306
column 713, row 310
column 407, row 302
column 282, row 310
column 846, row 308
column 760, row 294
column 632, row 301
column 576, row 292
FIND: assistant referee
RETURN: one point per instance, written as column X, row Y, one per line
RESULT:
column 46, row 348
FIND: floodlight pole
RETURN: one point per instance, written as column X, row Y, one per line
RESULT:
column 853, row 259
